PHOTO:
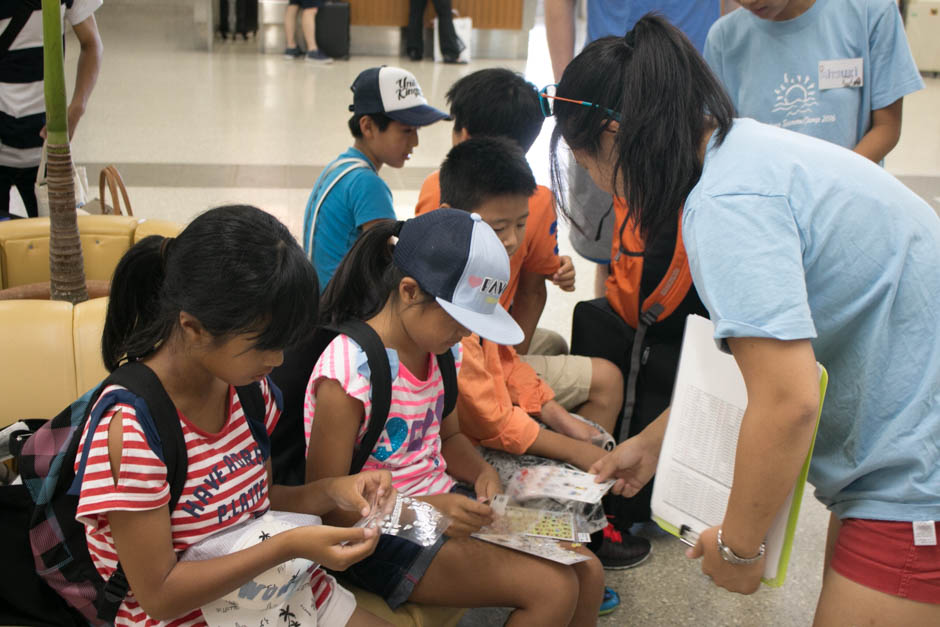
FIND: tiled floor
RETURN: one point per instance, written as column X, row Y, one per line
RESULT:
column 190, row 130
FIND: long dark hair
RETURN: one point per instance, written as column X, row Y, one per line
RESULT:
column 365, row 278
column 667, row 98
column 235, row 268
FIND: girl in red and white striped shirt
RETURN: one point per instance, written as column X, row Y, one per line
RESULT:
column 208, row 311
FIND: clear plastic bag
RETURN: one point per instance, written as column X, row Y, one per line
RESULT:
column 589, row 517
column 407, row 518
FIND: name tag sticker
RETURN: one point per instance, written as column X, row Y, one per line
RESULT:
column 840, row 73
column 925, row 533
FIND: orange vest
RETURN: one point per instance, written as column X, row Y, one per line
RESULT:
column 626, row 274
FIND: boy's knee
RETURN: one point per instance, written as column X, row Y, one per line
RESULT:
column 606, row 378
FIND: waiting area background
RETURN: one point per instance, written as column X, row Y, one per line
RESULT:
column 191, row 129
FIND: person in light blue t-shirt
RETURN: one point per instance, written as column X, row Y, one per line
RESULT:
column 833, row 69
column 348, row 197
column 801, row 251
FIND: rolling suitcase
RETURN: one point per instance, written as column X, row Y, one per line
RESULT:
column 332, row 29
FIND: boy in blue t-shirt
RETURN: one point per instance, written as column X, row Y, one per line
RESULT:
column 348, row 197
column 835, row 70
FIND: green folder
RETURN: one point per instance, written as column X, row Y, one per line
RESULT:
column 686, row 534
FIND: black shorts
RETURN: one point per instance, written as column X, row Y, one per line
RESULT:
column 307, row 4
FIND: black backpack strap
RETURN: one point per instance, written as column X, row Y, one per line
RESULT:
column 448, row 368
column 381, row 384
column 159, row 419
column 252, row 401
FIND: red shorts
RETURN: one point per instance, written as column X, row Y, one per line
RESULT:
column 882, row 555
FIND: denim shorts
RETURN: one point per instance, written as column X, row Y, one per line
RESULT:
column 394, row 569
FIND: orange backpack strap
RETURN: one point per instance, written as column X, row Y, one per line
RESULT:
column 663, row 302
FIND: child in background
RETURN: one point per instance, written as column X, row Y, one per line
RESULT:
column 835, row 70
column 437, row 284
column 500, row 103
column 203, row 332
column 502, row 399
column 348, row 197
column 497, row 102
column 499, row 393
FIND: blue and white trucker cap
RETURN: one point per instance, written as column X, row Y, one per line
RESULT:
column 456, row 257
column 394, row 92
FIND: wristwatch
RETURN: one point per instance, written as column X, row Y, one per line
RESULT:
column 733, row 558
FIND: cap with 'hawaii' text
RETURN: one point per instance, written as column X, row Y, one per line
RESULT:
column 456, row 257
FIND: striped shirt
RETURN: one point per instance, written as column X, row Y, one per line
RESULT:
column 22, row 101
column 410, row 444
column 226, row 484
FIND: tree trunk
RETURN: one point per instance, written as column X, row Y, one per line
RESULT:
column 66, row 267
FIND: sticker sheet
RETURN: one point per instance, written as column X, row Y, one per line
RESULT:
column 542, row 523
column 539, row 547
column 556, row 483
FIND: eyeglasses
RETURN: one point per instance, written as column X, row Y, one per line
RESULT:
column 547, row 94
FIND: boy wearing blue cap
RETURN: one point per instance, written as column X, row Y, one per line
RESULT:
column 348, row 197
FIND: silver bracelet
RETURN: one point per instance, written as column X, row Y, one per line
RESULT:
column 733, row 558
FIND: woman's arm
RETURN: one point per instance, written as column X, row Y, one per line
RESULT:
column 884, row 133
column 782, row 381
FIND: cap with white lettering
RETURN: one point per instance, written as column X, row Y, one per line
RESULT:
column 394, row 92
column 456, row 257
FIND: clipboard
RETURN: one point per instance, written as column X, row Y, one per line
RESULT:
column 696, row 465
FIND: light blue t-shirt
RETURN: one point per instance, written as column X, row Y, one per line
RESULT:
column 780, row 72
column 790, row 237
column 616, row 17
column 359, row 197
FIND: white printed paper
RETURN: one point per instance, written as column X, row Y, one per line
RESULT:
column 540, row 547
column 556, row 483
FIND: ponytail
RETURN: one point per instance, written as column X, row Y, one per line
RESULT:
column 236, row 269
column 667, row 98
column 133, row 326
column 365, row 278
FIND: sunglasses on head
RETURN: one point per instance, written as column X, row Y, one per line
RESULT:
column 547, row 95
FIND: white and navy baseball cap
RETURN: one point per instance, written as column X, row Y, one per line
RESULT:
column 456, row 257
column 394, row 92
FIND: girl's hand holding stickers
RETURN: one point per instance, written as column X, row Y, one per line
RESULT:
column 467, row 516
column 487, row 485
column 337, row 548
column 362, row 491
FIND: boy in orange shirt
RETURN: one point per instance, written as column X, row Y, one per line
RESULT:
column 501, row 390
column 590, row 385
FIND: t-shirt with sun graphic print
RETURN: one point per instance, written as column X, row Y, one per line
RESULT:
column 821, row 73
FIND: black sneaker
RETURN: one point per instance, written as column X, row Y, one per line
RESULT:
column 619, row 551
